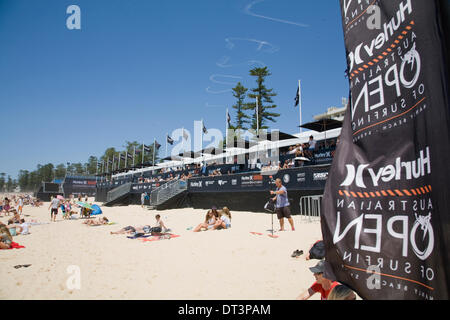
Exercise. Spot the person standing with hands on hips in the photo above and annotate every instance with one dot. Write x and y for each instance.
(282, 204)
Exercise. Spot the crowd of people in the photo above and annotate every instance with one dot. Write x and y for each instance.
(298, 155)
(16, 225)
(14, 204)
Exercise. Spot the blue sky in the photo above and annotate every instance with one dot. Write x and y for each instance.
(140, 68)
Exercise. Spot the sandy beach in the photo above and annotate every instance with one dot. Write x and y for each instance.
(223, 264)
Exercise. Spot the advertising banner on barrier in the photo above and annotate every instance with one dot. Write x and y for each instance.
(305, 178)
(385, 218)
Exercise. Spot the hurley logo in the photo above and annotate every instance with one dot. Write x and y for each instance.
(409, 170)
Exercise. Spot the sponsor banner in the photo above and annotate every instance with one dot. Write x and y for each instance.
(306, 178)
(324, 156)
(385, 218)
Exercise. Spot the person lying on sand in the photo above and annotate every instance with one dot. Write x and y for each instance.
(210, 221)
(99, 222)
(225, 220)
(158, 229)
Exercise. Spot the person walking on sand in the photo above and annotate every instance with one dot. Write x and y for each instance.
(54, 205)
(20, 205)
(282, 204)
(143, 196)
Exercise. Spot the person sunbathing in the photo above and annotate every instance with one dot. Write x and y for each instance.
(127, 229)
(158, 229)
(210, 221)
(225, 220)
(99, 222)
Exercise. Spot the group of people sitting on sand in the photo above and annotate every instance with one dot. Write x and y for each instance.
(15, 203)
(215, 220)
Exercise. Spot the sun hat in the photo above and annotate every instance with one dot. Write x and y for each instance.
(319, 267)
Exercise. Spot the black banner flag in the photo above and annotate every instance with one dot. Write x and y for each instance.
(385, 213)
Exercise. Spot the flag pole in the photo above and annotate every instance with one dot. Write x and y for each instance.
(167, 135)
(226, 128)
(257, 116)
(300, 103)
(143, 152)
(201, 140)
(154, 147)
(134, 154)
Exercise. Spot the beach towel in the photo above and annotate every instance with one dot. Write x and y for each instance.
(15, 245)
(157, 238)
(138, 236)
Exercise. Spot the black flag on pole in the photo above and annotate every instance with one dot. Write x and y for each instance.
(385, 212)
(157, 145)
(129, 156)
(297, 97)
(169, 140)
(204, 129)
(146, 148)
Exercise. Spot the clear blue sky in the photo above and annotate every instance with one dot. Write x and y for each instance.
(140, 68)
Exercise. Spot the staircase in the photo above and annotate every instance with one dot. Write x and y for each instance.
(117, 194)
(167, 192)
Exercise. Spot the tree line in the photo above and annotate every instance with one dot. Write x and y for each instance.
(32, 180)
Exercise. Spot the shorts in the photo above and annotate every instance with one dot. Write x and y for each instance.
(54, 211)
(129, 228)
(284, 212)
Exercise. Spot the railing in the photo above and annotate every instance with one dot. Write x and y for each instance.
(310, 207)
(118, 192)
(167, 191)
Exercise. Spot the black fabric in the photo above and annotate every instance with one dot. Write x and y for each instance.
(385, 212)
(317, 251)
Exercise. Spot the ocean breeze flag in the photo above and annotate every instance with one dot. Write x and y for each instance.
(169, 140)
(297, 97)
(157, 145)
(385, 212)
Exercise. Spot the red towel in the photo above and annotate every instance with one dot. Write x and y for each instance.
(15, 245)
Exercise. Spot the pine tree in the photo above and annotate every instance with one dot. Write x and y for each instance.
(265, 101)
(241, 118)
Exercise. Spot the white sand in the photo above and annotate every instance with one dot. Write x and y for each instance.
(225, 264)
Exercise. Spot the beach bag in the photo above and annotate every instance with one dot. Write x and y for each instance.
(317, 251)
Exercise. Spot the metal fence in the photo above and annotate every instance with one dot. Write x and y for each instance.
(118, 192)
(167, 191)
(310, 207)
